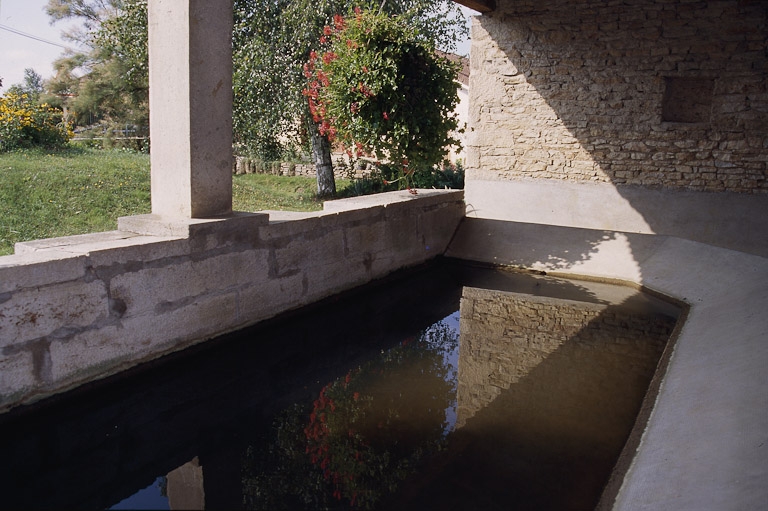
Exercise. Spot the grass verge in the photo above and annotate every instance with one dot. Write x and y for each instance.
(46, 195)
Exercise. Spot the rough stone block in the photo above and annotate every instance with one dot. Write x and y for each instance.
(307, 252)
(156, 333)
(37, 269)
(170, 286)
(268, 298)
(325, 280)
(367, 237)
(98, 352)
(17, 376)
(51, 311)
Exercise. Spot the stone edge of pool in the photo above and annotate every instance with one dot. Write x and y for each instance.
(705, 441)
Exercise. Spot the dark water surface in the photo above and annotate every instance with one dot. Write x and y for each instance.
(449, 388)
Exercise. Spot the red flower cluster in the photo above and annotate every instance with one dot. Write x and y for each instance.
(329, 57)
(317, 430)
(368, 93)
(338, 22)
(318, 71)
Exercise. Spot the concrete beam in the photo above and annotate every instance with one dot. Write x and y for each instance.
(190, 95)
(478, 5)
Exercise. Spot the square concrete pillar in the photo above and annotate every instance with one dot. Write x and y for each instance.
(190, 107)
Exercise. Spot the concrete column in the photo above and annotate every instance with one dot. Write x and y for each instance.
(190, 101)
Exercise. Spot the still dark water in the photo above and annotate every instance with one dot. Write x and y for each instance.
(450, 388)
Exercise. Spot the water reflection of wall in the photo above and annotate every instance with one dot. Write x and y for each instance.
(610, 354)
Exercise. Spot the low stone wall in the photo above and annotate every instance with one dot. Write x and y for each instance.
(83, 307)
(243, 165)
(726, 219)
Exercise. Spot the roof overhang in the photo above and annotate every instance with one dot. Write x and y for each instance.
(478, 5)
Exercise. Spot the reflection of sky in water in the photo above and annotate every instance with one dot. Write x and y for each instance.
(451, 361)
(150, 497)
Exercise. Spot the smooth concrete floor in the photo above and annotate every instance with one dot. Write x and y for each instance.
(705, 444)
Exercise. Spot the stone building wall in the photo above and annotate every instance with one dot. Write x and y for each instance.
(573, 354)
(669, 94)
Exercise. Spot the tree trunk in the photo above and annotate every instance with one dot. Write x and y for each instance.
(321, 156)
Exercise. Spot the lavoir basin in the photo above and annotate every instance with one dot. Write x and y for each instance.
(447, 387)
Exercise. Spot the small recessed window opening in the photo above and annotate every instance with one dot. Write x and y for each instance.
(687, 99)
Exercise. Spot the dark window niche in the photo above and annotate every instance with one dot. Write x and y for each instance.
(687, 99)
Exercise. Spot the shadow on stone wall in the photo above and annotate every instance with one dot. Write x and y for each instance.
(580, 93)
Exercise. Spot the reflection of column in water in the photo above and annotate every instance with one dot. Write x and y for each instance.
(185, 486)
(506, 336)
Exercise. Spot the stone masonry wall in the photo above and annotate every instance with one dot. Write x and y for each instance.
(591, 354)
(662, 93)
(83, 307)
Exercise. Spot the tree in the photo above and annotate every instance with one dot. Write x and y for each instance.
(114, 86)
(90, 13)
(380, 88)
(272, 42)
(32, 86)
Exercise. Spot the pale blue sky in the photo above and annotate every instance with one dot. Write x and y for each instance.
(18, 52)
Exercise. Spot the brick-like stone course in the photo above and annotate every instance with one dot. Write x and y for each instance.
(574, 91)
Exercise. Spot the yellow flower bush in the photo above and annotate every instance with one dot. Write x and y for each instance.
(25, 123)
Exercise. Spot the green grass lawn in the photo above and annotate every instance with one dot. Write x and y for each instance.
(85, 190)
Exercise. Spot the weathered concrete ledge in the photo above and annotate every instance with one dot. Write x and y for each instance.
(704, 444)
(78, 308)
(725, 219)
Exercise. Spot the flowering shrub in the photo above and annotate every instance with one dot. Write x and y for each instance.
(379, 89)
(24, 123)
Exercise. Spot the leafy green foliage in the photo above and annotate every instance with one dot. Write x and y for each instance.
(91, 13)
(380, 89)
(32, 87)
(115, 87)
(265, 50)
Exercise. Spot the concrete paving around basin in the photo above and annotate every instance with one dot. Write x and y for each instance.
(705, 443)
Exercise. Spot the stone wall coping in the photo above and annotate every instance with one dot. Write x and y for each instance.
(391, 198)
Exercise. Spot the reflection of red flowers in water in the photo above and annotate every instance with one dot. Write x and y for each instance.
(340, 457)
(353, 437)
